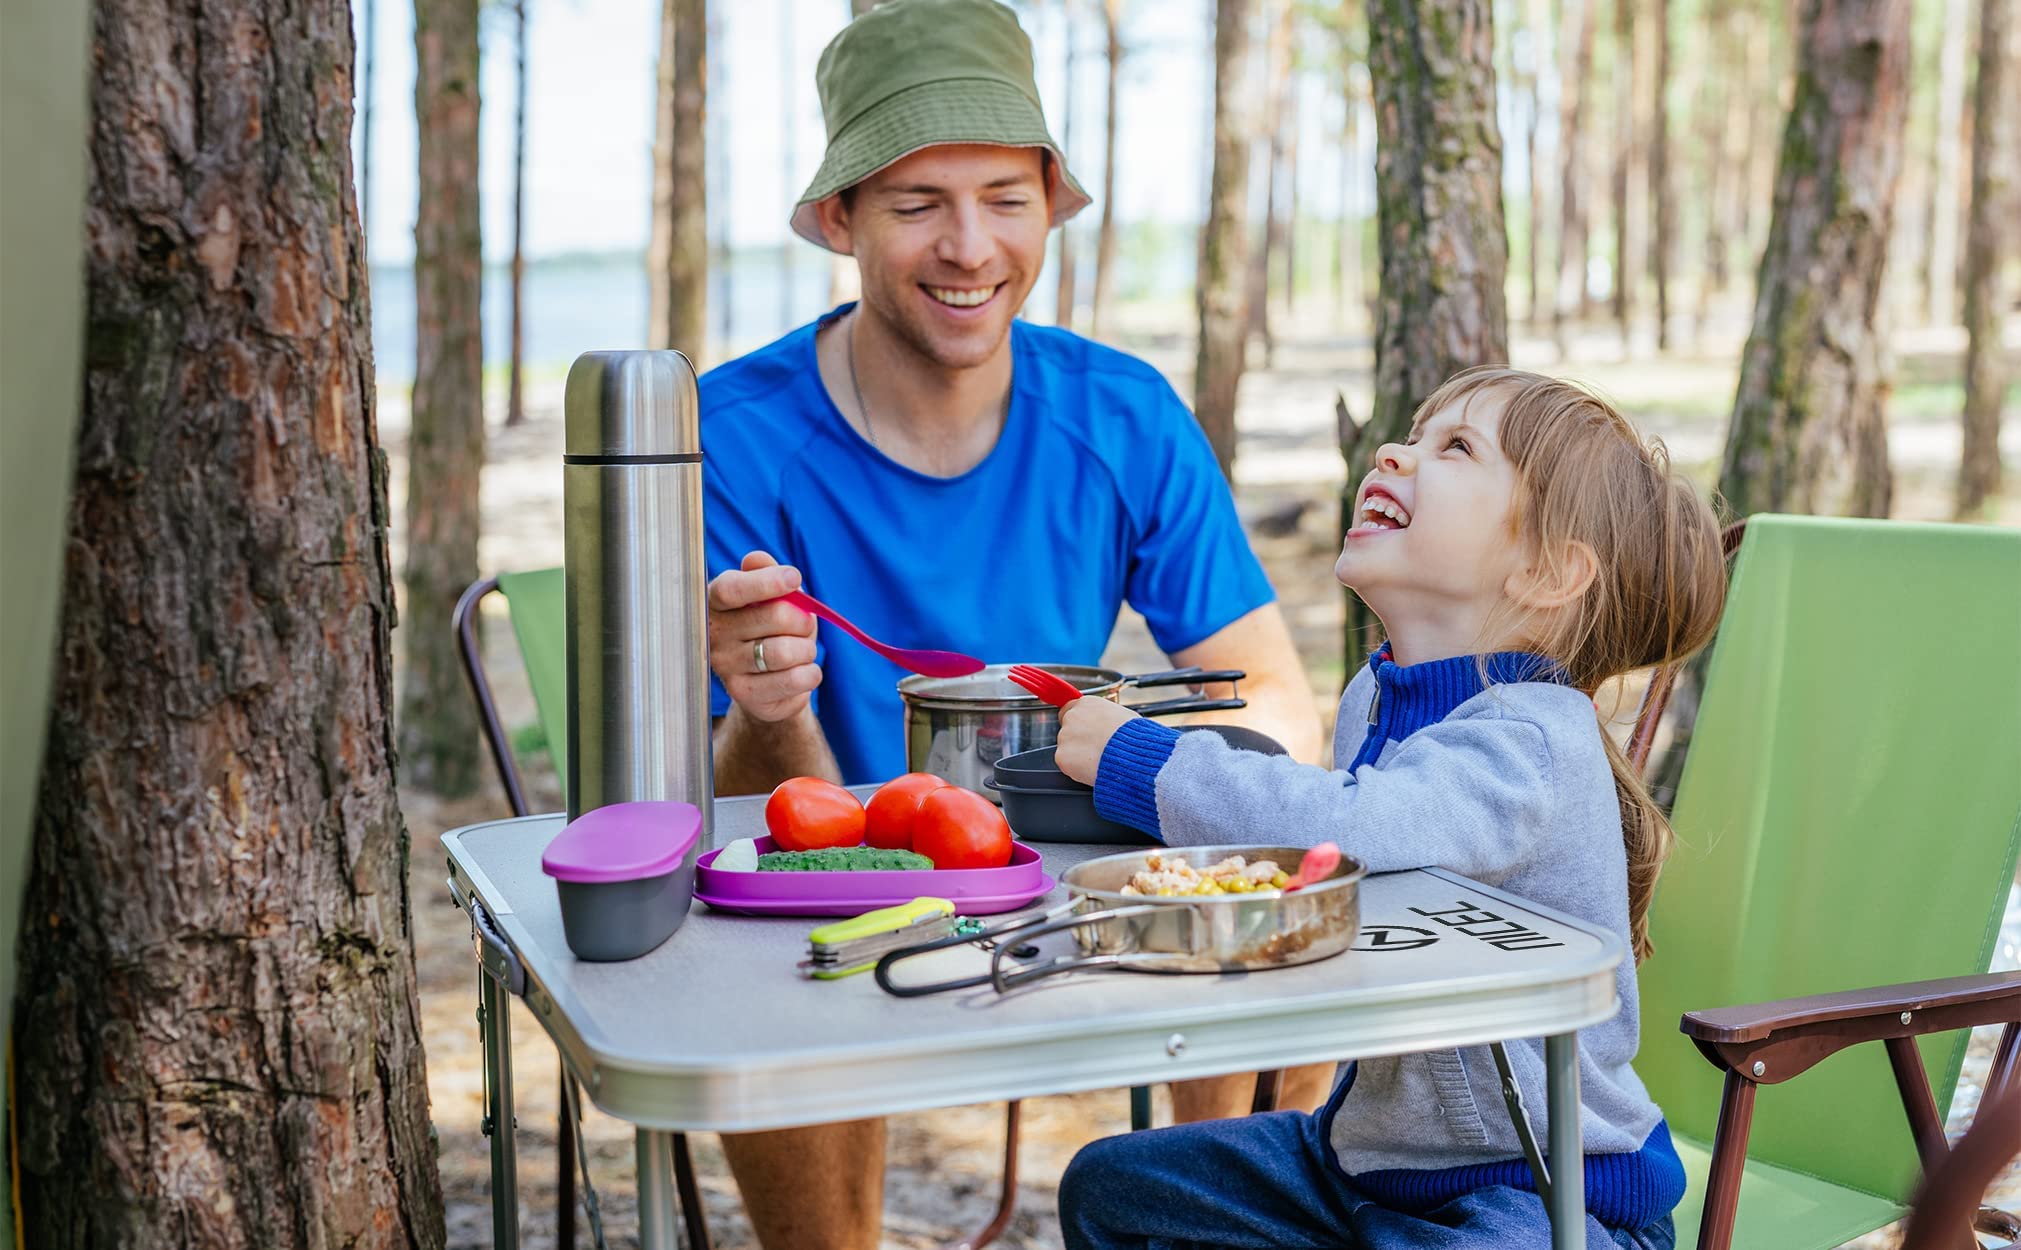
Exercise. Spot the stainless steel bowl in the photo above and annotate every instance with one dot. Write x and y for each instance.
(1214, 933)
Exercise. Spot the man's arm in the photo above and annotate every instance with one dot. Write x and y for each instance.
(752, 756)
(1280, 699)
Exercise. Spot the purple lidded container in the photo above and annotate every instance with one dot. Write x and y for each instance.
(626, 874)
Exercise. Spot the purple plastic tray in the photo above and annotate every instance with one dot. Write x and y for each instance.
(973, 891)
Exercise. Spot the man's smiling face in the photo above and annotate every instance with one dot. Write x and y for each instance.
(949, 241)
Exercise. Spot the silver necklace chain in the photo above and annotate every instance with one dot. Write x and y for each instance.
(863, 409)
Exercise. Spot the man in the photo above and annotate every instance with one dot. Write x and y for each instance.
(952, 479)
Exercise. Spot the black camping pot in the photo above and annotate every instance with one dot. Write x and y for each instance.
(1043, 804)
(959, 727)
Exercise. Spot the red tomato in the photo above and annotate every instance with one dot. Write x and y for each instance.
(807, 813)
(894, 808)
(958, 828)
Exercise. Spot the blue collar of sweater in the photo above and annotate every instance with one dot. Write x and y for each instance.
(1409, 697)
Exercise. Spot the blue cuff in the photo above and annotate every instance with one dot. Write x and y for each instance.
(1126, 781)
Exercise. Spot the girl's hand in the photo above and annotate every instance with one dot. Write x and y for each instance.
(1086, 725)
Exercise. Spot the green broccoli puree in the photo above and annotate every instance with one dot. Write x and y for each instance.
(842, 859)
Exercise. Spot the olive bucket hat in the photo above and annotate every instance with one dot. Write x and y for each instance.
(913, 74)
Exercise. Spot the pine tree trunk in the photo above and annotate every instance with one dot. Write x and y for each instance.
(789, 156)
(1576, 67)
(1105, 241)
(1940, 274)
(1444, 248)
(677, 256)
(1290, 288)
(1277, 77)
(1063, 299)
(515, 397)
(218, 1038)
(1349, 278)
(1996, 136)
(1808, 431)
(1662, 240)
(445, 446)
(1536, 16)
(1713, 101)
(368, 58)
(1224, 244)
(1627, 143)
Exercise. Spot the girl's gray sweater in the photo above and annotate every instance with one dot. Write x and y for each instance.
(1508, 785)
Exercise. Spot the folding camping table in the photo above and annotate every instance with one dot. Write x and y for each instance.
(718, 1030)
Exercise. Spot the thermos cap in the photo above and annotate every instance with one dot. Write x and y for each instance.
(632, 406)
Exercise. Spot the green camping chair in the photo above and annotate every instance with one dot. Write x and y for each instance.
(535, 605)
(1848, 817)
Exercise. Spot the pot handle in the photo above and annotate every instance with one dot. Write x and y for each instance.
(1193, 676)
(1007, 981)
(1017, 925)
(1173, 707)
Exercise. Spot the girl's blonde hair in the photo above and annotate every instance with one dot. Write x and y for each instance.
(1584, 475)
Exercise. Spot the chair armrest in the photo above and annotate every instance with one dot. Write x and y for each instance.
(1791, 1035)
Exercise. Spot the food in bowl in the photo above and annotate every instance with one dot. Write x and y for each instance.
(1161, 877)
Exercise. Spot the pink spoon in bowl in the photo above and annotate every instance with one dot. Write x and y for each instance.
(926, 663)
(1315, 866)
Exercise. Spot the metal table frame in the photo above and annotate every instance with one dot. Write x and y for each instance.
(664, 1092)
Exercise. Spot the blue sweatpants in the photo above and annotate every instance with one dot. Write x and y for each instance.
(1268, 1182)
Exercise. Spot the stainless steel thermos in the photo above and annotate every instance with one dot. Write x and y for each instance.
(635, 583)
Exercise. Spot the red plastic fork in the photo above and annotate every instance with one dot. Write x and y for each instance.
(1053, 690)
(926, 663)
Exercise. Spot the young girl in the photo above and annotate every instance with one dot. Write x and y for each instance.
(1522, 547)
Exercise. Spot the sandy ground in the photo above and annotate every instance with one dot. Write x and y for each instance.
(944, 1165)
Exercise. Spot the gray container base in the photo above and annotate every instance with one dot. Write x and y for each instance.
(609, 921)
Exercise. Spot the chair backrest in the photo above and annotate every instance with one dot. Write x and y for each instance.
(535, 604)
(1848, 817)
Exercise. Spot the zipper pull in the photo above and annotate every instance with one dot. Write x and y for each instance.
(1374, 702)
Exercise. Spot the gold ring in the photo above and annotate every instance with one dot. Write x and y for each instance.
(758, 655)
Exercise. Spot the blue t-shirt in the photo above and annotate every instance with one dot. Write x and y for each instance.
(1101, 488)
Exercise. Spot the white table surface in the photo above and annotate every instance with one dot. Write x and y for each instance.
(718, 1029)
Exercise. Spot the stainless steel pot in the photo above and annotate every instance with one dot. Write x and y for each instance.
(959, 727)
(1215, 933)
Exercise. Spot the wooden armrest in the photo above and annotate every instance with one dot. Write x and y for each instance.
(1789, 1036)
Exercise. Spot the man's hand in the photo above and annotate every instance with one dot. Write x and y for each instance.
(1086, 725)
(762, 652)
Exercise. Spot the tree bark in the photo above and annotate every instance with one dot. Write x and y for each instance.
(445, 446)
(1808, 431)
(1536, 19)
(1277, 77)
(219, 1040)
(1996, 134)
(1224, 244)
(1105, 241)
(1940, 273)
(1444, 248)
(677, 256)
(1715, 128)
(1662, 240)
(1063, 299)
(1627, 147)
(515, 397)
(368, 59)
(1575, 69)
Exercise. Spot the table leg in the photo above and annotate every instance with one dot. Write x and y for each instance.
(1567, 1157)
(494, 1025)
(659, 1213)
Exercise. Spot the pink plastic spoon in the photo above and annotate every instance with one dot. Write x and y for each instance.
(1316, 866)
(926, 663)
